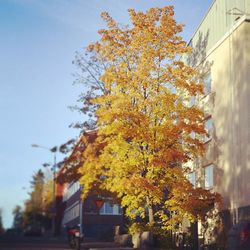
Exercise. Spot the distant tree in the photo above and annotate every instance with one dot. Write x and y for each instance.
(34, 211)
(1, 222)
(47, 196)
(18, 217)
(37, 185)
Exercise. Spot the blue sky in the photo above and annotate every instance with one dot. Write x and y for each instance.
(38, 39)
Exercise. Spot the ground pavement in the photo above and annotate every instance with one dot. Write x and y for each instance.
(52, 243)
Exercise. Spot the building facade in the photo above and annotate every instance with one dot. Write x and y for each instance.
(97, 215)
(222, 53)
(97, 222)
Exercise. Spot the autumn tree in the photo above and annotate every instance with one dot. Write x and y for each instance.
(35, 209)
(48, 196)
(147, 129)
(90, 67)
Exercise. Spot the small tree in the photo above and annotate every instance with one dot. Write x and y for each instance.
(146, 123)
(1, 222)
(35, 213)
(18, 217)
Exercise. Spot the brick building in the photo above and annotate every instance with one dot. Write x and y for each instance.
(97, 222)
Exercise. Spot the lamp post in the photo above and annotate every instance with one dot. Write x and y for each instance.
(52, 150)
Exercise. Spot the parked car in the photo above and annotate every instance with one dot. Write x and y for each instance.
(13, 232)
(239, 236)
(33, 231)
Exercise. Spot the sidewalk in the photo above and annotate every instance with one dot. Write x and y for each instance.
(113, 248)
(100, 245)
(109, 246)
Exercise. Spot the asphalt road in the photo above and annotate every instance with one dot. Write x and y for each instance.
(33, 243)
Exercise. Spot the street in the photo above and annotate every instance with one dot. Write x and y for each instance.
(33, 243)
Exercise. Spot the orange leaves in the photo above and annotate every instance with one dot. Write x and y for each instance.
(188, 202)
(109, 20)
(145, 119)
(147, 185)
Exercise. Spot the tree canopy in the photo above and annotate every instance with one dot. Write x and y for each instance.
(37, 208)
(148, 127)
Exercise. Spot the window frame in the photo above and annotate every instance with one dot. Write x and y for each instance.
(209, 176)
(106, 206)
(193, 182)
(207, 81)
(209, 129)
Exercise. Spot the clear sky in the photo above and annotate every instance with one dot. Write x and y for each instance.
(38, 40)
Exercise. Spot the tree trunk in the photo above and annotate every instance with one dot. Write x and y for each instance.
(150, 212)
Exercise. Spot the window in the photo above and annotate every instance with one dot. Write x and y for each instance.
(192, 178)
(71, 213)
(209, 129)
(192, 101)
(207, 84)
(120, 211)
(209, 176)
(108, 209)
(71, 190)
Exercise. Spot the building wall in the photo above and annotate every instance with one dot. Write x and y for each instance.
(222, 49)
(230, 114)
(59, 207)
(219, 19)
(97, 223)
(228, 63)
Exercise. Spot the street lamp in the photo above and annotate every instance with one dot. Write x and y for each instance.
(52, 150)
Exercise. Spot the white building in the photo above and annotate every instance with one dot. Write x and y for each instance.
(222, 50)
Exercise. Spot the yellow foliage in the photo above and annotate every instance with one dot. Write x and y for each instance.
(48, 196)
(145, 120)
